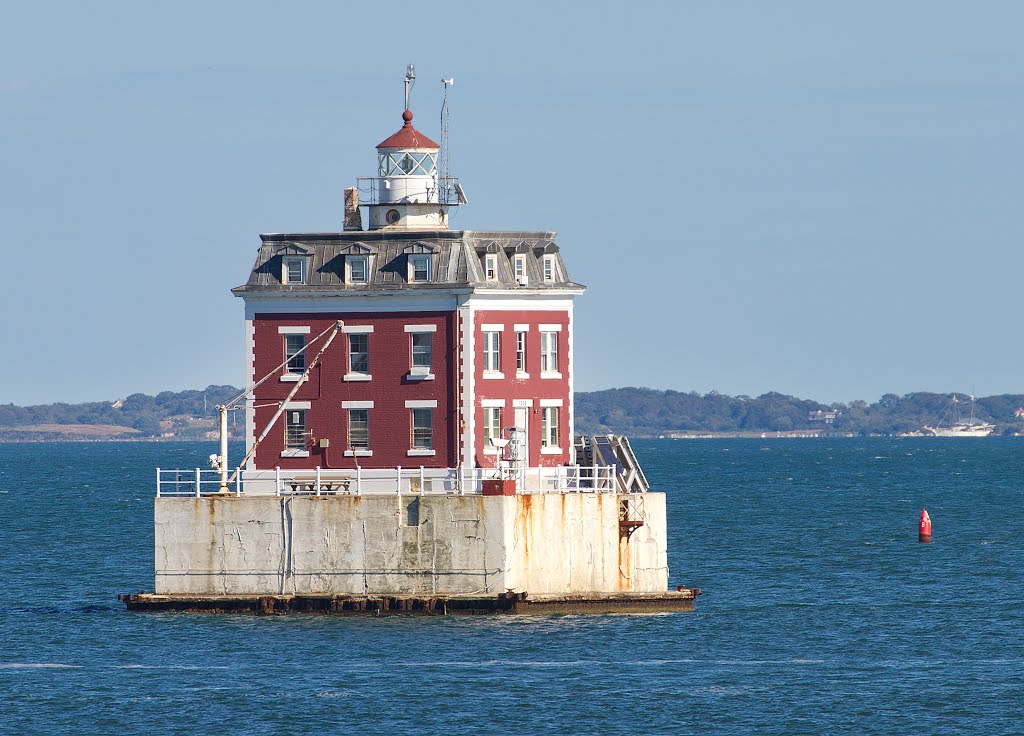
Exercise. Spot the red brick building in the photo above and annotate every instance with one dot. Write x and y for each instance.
(456, 349)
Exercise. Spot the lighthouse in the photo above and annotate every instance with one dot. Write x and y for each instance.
(409, 424)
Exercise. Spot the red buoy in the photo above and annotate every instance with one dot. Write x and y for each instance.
(924, 527)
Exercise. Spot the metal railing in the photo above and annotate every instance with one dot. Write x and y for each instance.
(197, 482)
(443, 190)
(200, 482)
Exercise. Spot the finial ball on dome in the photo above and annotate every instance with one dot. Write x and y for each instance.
(407, 116)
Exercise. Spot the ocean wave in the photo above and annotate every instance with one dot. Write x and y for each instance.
(38, 666)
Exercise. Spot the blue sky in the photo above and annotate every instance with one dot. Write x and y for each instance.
(818, 199)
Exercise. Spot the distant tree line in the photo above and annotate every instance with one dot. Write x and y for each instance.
(137, 411)
(636, 412)
(647, 412)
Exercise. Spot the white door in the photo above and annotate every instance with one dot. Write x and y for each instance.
(520, 454)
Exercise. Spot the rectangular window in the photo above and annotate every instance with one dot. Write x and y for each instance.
(549, 426)
(359, 353)
(492, 425)
(419, 267)
(422, 349)
(358, 269)
(296, 360)
(492, 351)
(295, 429)
(548, 352)
(491, 267)
(549, 268)
(359, 429)
(519, 264)
(422, 429)
(520, 352)
(294, 271)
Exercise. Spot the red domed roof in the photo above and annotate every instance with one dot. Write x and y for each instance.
(408, 136)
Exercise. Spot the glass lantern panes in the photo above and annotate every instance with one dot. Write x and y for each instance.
(398, 163)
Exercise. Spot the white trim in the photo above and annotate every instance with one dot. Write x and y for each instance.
(293, 330)
(410, 376)
(493, 375)
(492, 328)
(522, 403)
(468, 344)
(551, 402)
(296, 405)
(570, 411)
(250, 399)
(341, 301)
(521, 375)
(551, 451)
(492, 403)
(357, 329)
(356, 404)
(421, 404)
(358, 453)
(550, 292)
(521, 328)
(294, 453)
(421, 328)
(550, 374)
(549, 328)
(291, 377)
(357, 377)
(420, 453)
(490, 450)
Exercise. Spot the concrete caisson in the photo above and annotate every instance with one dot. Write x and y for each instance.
(430, 544)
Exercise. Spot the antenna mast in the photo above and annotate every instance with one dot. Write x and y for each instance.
(443, 164)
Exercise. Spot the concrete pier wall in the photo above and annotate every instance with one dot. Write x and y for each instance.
(431, 544)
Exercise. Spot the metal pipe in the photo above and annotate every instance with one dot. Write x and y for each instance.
(223, 460)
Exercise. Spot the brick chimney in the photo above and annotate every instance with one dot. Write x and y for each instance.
(353, 219)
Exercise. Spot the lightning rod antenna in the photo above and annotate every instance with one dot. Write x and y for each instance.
(410, 80)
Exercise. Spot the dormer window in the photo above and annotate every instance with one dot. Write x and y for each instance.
(357, 269)
(293, 270)
(491, 267)
(550, 268)
(519, 266)
(419, 267)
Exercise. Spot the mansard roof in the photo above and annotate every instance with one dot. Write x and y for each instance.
(457, 261)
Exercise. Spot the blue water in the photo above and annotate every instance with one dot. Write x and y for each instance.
(821, 614)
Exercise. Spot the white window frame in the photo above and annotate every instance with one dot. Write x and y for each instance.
(292, 353)
(362, 451)
(521, 354)
(350, 261)
(353, 374)
(519, 268)
(421, 448)
(492, 428)
(549, 354)
(491, 267)
(420, 371)
(492, 354)
(549, 419)
(413, 259)
(550, 268)
(295, 433)
(286, 263)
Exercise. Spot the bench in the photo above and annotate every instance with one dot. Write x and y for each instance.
(328, 486)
